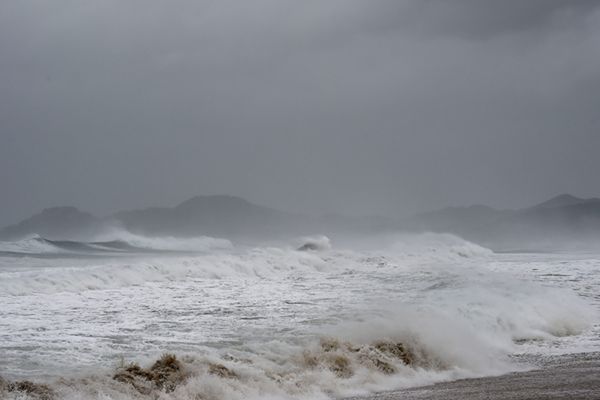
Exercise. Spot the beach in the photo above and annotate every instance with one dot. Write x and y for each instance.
(428, 312)
(574, 376)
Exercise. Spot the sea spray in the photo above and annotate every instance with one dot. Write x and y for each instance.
(276, 322)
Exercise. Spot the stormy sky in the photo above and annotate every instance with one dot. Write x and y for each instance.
(359, 107)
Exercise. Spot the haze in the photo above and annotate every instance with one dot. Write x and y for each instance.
(358, 107)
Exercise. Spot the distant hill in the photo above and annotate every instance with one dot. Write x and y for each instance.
(56, 223)
(562, 200)
(229, 216)
(562, 214)
(554, 223)
(206, 215)
(561, 220)
(218, 216)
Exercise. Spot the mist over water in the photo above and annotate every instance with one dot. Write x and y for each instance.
(313, 318)
(299, 200)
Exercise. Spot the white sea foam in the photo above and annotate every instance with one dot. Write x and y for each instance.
(346, 359)
(31, 245)
(270, 316)
(313, 243)
(195, 244)
(93, 274)
(115, 240)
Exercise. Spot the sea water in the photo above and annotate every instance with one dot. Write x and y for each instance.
(286, 323)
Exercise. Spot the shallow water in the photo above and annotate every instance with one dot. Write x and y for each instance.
(262, 312)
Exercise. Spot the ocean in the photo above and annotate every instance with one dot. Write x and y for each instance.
(312, 318)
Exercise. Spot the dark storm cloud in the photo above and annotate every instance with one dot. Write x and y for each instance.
(477, 19)
(358, 106)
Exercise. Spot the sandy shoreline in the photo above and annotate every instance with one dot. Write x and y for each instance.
(575, 376)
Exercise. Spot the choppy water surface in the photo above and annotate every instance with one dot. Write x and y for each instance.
(76, 313)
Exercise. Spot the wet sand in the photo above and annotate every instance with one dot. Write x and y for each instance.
(566, 377)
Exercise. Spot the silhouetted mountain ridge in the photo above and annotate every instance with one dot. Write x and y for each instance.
(565, 200)
(219, 215)
(55, 222)
(553, 222)
(564, 217)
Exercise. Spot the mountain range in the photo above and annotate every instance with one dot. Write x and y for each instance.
(560, 221)
(564, 218)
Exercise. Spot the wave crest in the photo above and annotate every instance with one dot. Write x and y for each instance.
(118, 241)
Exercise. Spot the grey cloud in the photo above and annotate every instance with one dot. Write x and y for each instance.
(359, 107)
(477, 19)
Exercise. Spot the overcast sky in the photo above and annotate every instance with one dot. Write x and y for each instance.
(360, 107)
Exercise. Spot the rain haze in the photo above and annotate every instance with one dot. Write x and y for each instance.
(356, 107)
(299, 200)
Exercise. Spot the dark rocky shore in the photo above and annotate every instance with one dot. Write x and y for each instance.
(575, 376)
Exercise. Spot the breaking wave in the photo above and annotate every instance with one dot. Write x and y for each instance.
(314, 243)
(116, 273)
(118, 241)
(429, 311)
(323, 368)
(406, 348)
(164, 243)
(30, 245)
(222, 261)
